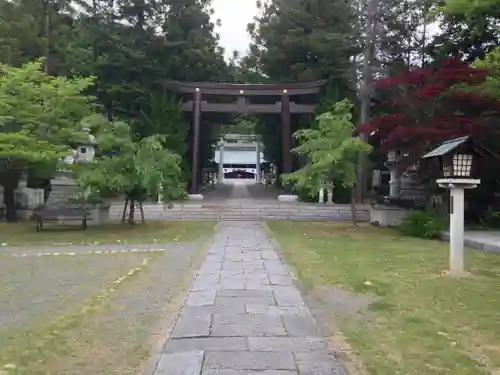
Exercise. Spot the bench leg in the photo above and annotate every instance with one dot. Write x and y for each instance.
(39, 225)
(84, 223)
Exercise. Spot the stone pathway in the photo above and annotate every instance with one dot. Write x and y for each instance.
(244, 316)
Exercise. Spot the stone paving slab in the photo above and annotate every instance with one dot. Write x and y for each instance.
(287, 344)
(228, 301)
(201, 298)
(244, 315)
(245, 293)
(208, 343)
(193, 324)
(247, 372)
(245, 325)
(247, 360)
(318, 364)
(187, 363)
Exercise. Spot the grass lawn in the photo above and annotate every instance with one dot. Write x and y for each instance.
(88, 314)
(153, 231)
(420, 322)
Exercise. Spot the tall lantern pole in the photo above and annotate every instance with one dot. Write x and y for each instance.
(456, 158)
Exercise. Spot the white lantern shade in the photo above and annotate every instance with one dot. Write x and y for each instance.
(462, 165)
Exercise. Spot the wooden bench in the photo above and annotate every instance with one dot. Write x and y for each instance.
(60, 214)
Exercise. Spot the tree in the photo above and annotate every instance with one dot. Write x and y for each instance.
(195, 54)
(242, 124)
(163, 116)
(304, 40)
(467, 7)
(301, 41)
(469, 29)
(423, 106)
(40, 116)
(133, 169)
(332, 152)
(491, 63)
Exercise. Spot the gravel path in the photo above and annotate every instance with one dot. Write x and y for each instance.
(244, 316)
(135, 317)
(114, 339)
(33, 289)
(88, 249)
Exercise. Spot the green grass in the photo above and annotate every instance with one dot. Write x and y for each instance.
(424, 323)
(154, 231)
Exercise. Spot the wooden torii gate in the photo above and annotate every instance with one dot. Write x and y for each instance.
(285, 106)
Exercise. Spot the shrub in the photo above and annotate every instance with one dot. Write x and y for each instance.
(422, 224)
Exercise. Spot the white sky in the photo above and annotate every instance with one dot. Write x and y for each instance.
(234, 15)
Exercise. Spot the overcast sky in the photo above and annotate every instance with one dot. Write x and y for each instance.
(235, 15)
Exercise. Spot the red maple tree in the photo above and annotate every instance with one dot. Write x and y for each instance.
(425, 106)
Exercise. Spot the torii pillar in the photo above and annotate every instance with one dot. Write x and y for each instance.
(196, 145)
(286, 135)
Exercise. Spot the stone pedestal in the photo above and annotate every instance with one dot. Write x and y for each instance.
(321, 199)
(386, 216)
(257, 165)
(288, 198)
(99, 215)
(221, 164)
(329, 197)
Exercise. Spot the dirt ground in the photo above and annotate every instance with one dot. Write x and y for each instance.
(83, 313)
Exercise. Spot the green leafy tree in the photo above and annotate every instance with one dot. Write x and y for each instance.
(242, 124)
(469, 29)
(491, 62)
(331, 152)
(135, 170)
(468, 7)
(163, 116)
(40, 116)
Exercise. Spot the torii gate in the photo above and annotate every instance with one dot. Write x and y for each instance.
(286, 107)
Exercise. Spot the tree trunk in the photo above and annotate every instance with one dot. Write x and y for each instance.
(142, 212)
(124, 210)
(353, 207)
(47, 190)
(366, 88)
(131, 212)
(46, 35)
(9, 180)
(9, 197)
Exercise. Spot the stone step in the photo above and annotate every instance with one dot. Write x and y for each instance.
(234, 214)
(248, 212)
(298, 208)
(245, 216)
(252, 218)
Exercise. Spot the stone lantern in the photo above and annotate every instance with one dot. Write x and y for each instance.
(392, 164)
(457, 159)
(85, 148)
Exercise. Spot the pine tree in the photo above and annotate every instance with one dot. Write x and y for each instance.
(297, 41)
(189, 30)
